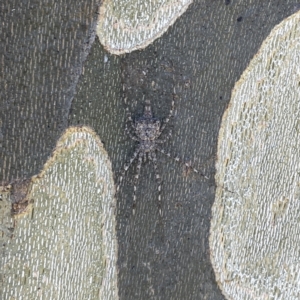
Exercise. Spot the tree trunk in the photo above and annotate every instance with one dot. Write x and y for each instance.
(56, 74)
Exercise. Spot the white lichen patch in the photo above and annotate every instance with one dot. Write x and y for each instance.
(255, 226)
(65, 246)
(128, 25)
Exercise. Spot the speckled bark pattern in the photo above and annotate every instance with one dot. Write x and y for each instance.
(254, 242)
(198, 60)
(42, 47)
(125, 26)
(64, 246)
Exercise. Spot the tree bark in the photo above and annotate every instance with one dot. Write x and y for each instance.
(55, 73)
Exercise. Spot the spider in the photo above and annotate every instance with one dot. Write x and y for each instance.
(147, 131)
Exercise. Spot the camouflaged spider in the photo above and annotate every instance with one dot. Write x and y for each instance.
(146, 131)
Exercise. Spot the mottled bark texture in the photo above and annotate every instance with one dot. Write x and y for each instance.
(63, 245)
(255, 217)
(197, 61)
(42, 49)
(125, 26)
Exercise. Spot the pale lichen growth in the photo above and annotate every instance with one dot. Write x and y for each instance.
(65, 248)
(128, 25)
(254, 238)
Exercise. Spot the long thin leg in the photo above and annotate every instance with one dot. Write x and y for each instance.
(126, 166)
(158, 179)
(165, 139)
(167, 119)
(180, 161)
(130, 134)
(136, 178)
(129, 120)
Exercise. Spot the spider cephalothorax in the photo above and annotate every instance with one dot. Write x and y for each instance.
(147, 130)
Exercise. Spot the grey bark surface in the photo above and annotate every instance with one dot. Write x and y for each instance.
(197, 61)
(63, 245)
(43, 45)
(255, 215)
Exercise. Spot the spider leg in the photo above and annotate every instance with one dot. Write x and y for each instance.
(180, 161)
(127, 165)
(158, 179)
(129, 120)
(136, 178)
(130, 134)
(165, 139)
(167, 119)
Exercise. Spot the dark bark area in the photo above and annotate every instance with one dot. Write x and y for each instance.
(43, 45)
(196, 62)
